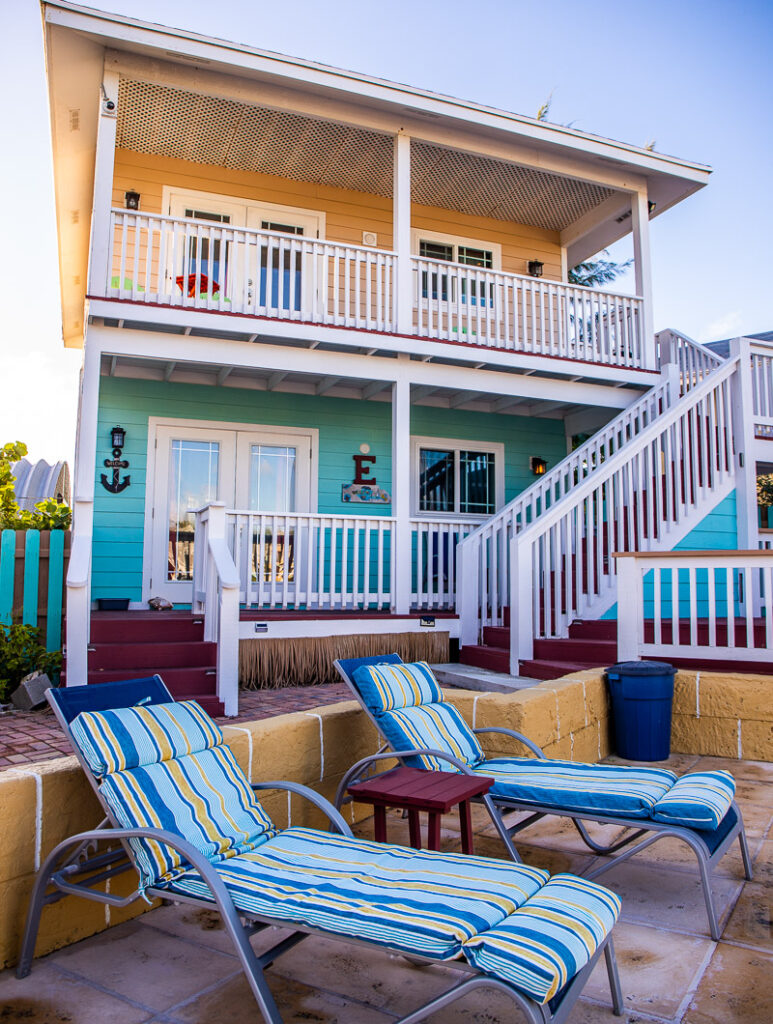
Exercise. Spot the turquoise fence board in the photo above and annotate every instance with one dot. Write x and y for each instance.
(343, 425)
(7, 568)
(55, 580)
(29, 615)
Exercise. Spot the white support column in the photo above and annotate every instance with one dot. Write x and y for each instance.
(629, 609)
(743, 440)
(79, 569)
(401, 496)
(401, 231)
(103, 184)
(643, 271)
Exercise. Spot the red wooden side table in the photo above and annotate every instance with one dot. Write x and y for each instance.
(416, 790)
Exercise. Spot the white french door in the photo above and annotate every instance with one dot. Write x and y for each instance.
(262, 470)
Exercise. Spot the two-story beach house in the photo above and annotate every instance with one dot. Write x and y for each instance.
(337, 383)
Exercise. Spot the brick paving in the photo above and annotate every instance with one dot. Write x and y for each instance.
(30, 736)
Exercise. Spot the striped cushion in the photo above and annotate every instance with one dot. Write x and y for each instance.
(547, 941)
(388, 687)
(597, 788)
(112, 741)
(204, 798)
(412, 900)
(699, 800)
(431, 727)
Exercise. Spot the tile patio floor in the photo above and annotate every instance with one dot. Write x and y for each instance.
(174, 964)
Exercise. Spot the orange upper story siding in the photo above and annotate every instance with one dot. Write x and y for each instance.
(347, 213)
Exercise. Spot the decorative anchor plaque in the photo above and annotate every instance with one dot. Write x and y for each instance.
(116, 485)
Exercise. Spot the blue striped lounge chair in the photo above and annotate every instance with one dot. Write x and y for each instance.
(180, 812)
(422, 729)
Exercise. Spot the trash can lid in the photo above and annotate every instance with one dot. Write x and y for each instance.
(642, 668)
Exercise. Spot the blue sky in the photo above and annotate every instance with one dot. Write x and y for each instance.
(694, 76)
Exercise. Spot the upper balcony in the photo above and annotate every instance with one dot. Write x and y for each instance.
(190, 264)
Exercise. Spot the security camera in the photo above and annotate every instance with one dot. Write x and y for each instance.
(109, 105)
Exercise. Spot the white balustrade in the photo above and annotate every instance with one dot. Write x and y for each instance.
(459, 303)
(204, 265)
(761, 359)
(693, 360)
(434, 543)
(710, 605)
(307, 561)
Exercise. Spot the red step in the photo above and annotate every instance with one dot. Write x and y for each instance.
(539, 669)
(145, 627)
(593, 629)
(496, 636)
(153, 656)
(496, 659)
(593, 652)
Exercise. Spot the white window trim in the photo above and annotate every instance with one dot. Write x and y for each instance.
(494, 448)
(200, 198)
(417, 235)
(154, 422)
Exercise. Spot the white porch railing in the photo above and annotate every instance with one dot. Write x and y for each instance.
(203, 265)
(460, 303)
(434, 544)
(762, 390)
(694, 360)
(216, 594)
(695, 604)
(308, 561)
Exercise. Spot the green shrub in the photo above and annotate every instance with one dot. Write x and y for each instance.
(22, 652)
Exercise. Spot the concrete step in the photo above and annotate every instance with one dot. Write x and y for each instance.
(468, 677)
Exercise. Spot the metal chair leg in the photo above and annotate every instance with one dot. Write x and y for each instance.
(614, 978)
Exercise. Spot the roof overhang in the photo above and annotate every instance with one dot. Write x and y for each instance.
(80, 42)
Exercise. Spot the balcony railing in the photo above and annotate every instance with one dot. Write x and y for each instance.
(202, 265)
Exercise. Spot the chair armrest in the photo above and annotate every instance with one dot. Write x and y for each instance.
(516, 736)
(313, 797)
(398, 755)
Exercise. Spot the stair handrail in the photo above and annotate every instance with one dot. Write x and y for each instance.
(695, 361)
(522, 543)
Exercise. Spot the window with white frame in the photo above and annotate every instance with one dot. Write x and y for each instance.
(457, 478)
(440, 286)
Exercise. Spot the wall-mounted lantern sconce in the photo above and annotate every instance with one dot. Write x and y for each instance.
(537, 465)
(118, 437)
(132, 200)
(536, 267)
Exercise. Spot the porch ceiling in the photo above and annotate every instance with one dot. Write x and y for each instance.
(361, 389)
(204, 129)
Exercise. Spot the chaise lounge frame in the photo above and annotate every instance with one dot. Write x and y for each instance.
(497, 806)
(76, 868)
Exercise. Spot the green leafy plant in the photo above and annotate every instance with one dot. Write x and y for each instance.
(47, 515)
(22, 652)
(596, 272)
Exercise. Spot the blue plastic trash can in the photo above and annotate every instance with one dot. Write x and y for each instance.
(642, 694)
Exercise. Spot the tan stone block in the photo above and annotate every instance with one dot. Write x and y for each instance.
(17, 824)
(286, 747)
(726, 695)
(584, 745)
(757, 740)
(596, 697)
(70, 805)
(561, 749)
(570, 705)
(238, 739)
(717, 737)
(684, 692)
(348, 736)
(605, 733)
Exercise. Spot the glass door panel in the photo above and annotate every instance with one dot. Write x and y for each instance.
(193, 477)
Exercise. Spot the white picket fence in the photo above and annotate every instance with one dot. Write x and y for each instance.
(695, 604)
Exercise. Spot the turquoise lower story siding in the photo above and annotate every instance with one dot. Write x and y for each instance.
(717, 531)
(343, 425)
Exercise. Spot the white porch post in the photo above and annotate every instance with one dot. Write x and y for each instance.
(79, 569)
(643, 272)
(103, 184)
(743, 440)
(401, 497)
(401, 231)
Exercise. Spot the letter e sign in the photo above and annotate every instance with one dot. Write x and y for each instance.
(360, 469)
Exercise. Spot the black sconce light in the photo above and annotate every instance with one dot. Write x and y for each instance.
(132, 200)
(118, 437)
(537, 465)
(535, 268)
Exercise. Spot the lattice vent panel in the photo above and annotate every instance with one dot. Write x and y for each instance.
(225, 133)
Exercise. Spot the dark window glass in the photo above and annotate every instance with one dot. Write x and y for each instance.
(219, 218)
(436, 481)
(476, 257)
(287, 229)
(765, 496)
(476, 483)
